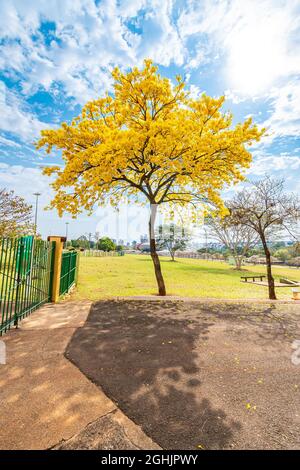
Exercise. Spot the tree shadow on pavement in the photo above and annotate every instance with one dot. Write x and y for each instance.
(145, 359)
(272, 323)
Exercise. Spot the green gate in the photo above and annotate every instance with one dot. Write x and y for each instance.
(26, 269)
(69, 265)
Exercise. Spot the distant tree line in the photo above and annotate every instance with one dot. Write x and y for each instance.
(102, 243)
(286, 252)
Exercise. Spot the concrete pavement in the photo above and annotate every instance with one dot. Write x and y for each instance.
(45, 401)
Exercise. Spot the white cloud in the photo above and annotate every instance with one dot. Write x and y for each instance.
(89, 40)
(257, 38)
(8, 142)
(258, 41)
(15, 118)
(200, 57)
(284, 119)
(195, 92)
(130, 8)
(161, 40)
(263, 164)
(25, 181)
(252, 45)
(233, 96)
(12, 57)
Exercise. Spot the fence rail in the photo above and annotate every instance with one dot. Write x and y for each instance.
(100, 253)
(26, 269)
(193, 255)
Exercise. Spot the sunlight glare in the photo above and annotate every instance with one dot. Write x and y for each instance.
(256, 57)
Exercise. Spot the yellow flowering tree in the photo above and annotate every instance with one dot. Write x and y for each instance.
(148, 138)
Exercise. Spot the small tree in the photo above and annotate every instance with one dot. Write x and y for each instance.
(106, 244)
(269, 211)
(172, 237)
(237, 238)
(295, 249)
(81, 242)
(149, 139)
(283, 254)
(15, 215)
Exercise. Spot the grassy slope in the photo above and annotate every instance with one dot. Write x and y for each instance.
(133, 275)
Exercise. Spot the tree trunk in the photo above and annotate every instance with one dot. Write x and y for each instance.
(271, 284)
(238, 262)
(154, 255)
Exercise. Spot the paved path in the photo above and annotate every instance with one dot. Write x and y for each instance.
(208, 375)
(46, 401)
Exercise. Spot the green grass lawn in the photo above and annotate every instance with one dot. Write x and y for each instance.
(133, 275)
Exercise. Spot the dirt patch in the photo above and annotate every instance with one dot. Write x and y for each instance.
(196, 375)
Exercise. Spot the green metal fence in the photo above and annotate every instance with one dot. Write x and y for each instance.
(69, 268)
(26, 270)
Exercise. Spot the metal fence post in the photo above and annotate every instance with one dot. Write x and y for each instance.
(59, 244)
(77, 267)
(19, 266)
(69, 271)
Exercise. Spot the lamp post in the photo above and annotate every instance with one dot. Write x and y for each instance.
(36, 211)
(117, 224)
(67, 227)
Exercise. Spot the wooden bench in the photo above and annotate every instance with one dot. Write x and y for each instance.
(245, 278)
(289, 282)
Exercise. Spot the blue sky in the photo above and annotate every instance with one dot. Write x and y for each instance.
(57, 55)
